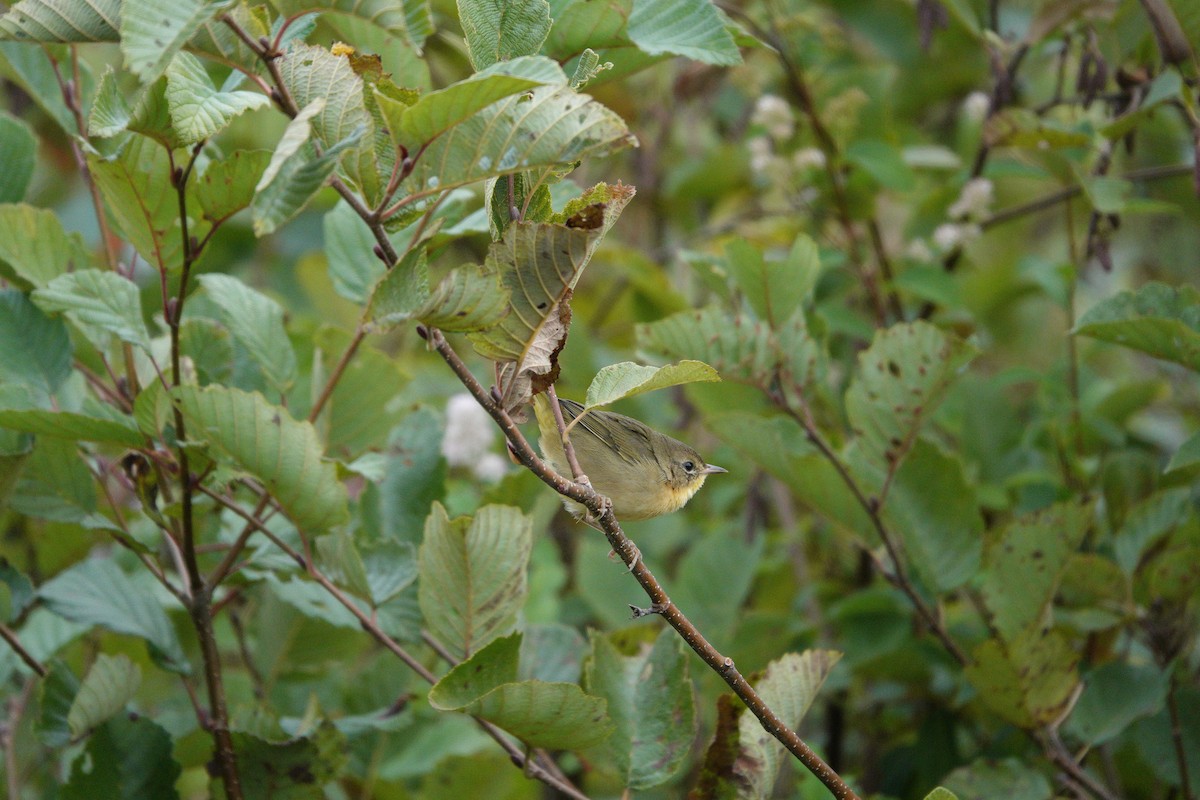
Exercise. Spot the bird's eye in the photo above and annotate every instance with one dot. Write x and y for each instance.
(688, 466)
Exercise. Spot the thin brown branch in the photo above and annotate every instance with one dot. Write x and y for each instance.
(200, 605)
(898, 575)
(601, 511)
(339, 369)
(10, 637)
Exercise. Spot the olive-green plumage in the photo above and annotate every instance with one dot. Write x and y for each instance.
(642, 471)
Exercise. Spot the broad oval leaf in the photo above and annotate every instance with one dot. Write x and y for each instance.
(438, 111)
(100, 303)
(649, 696)
(540, 714)
(901, 379)
(788, 687)
(540, 264)
(256, 321)
(496, 30)
(627, 379)
(153, 31)
(692, 28)
(198, 109)
(473, 574)
(548, 126)
(110, 684)
(49, 21)
(265, 441)
(18, 154)
(73, 426)
(43, 361)
(97, 592)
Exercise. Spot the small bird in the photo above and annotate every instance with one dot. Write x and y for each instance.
(642, 471)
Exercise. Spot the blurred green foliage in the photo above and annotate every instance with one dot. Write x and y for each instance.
(942, 255)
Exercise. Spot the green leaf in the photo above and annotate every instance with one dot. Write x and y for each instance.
(256, 321)
(1027, 679)
(1188, 454)
(788, 687)
(296, 769)
(1115, 695)
(1107, 194)
(151, 116)
(414, 476)
(313, 74)
(18, 592)
(265, 441)
(55, 484)
(1148, 523)
(110, 684)
(198, 110)
(473, 574)
(361, 413)
(941, 793)
(692, 28)
(32, 69)
(56, 694)
(882, 161)
(408, 19)
(988, 778)
(349, 247)
(137, 190)
(390, 568)
(34, 248)
(99, 303)
(540, 714)
(227, 186)
(936, 513)
(470, 298)
(43, 361)
(1023, 566)
(97, 592)
(500, 31)
(438, 111)
(773, 290)
(546, 127)
(739, 348)
(649, 696)
(1157, 319)
(110, 114)
(901, 379)
(18, 154)
(153, 31)
(711, 560)
(50, 21)
(73, 426)
(627, 379)
(540, 264)
(296, 172)
(127, 758)
(43, 634)
(218, 42)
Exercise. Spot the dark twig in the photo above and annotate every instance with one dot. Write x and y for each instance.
(897, 576)
(1181, 757)
(601, 512)
(10, 637)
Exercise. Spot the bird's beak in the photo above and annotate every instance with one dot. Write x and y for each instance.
(712, 469)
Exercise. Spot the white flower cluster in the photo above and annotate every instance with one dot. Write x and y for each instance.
(975, 106)
(469, 437)
(775, 115)
(975, 200)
